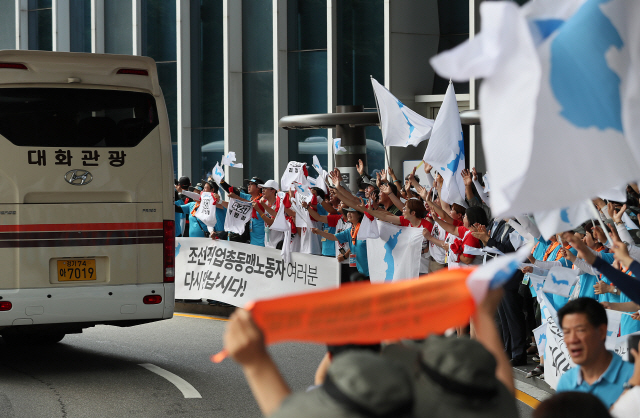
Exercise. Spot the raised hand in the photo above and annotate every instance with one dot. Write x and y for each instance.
(583, 250)
(243, 340)
(621, 253)
(466, 177)
(360, 167)
(391, 173)
(384, 188)
(617, 217)
(599, 234)
(427, 168)
(475, 173)
(566, 254)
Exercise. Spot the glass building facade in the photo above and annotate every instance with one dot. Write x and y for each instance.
(295, 57)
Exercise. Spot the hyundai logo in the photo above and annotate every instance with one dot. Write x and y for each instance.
(78, 177)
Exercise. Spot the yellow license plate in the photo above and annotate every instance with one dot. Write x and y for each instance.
(76, 270)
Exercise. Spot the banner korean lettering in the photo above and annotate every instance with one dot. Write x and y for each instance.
(556, 358)
(622, 346)
(238, 214)
(237, 273)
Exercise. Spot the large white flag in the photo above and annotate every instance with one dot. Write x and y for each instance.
(396, 254)
(238, 214)
(553, 221)
(207, 210)
(553, 73)
(295, 172)
(445, 151)
(400, 125)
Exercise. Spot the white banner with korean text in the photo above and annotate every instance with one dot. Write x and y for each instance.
(237, 273)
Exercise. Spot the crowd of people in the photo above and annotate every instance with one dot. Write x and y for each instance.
(442, 375)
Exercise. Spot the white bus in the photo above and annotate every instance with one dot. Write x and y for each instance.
(86, 194)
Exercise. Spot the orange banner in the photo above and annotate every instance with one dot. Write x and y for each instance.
(364, 313)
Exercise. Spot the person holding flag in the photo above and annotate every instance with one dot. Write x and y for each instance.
(256, 225)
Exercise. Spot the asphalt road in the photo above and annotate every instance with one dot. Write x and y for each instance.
(99, 373)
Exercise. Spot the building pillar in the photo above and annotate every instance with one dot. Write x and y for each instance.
(232, 69)
(183, 65)
(61, 26)
(332, 73)
(22, 24)
(137, 26)
(97, 26)
(280, 91)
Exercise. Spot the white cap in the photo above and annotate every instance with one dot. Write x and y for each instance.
(271, 184)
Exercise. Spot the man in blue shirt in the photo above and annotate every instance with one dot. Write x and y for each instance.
(599, 372)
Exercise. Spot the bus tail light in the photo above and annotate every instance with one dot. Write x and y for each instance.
(5, 306)
(152, 299)
(14, 65)
(132, 71)
(169, 251)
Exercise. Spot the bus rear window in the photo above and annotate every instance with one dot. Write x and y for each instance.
(67, 117)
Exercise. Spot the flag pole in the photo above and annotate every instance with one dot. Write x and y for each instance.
(380, 123)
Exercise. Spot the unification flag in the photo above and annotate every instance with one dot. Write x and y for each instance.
(559, 281)
(230, 160)
(396, 254)
(445, 151)
(562, 78)
(337, 146)
(540, 335)
(550, 222)
(217, 174)
(400, 125)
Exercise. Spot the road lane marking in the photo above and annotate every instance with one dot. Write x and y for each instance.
(200, 316)
(187, 390)
(527, 399)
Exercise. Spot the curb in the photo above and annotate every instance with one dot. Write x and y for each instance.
(204, 308)
(520, 374)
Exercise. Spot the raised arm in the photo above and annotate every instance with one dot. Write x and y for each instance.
(267, 220)
(468, 184)
(487, 334)
(479, 188)
(382, 215)
(245, 344)
(324, 234)
(316, 216)
(387, 190)
(440, 212)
